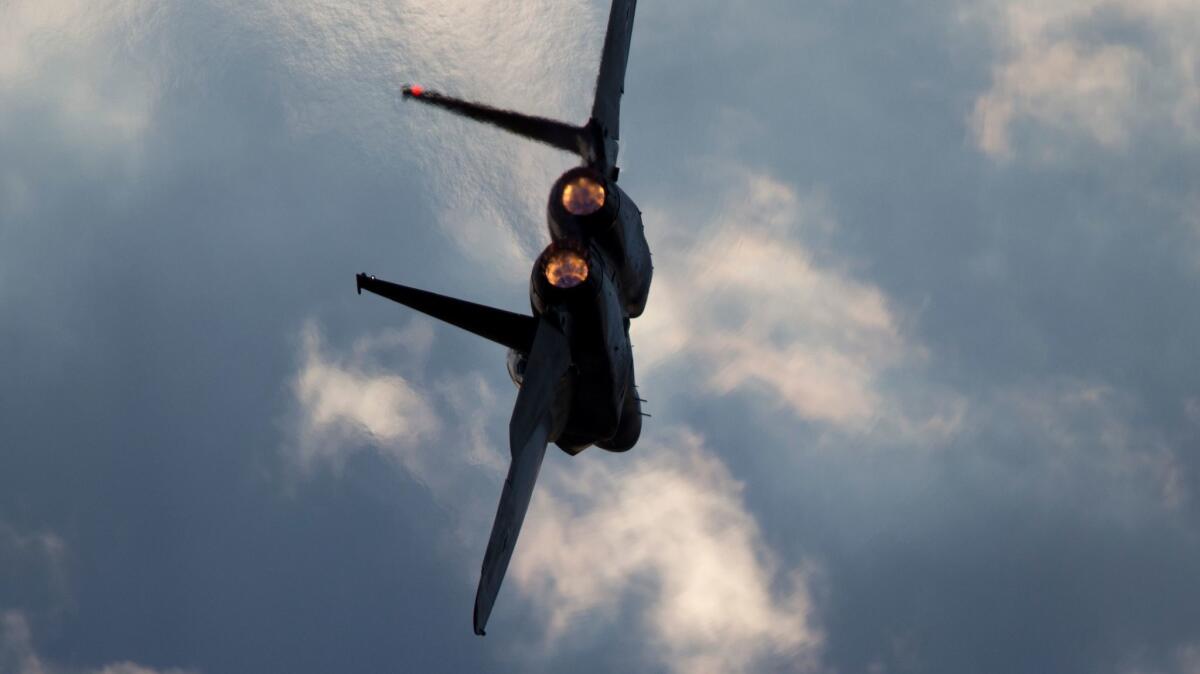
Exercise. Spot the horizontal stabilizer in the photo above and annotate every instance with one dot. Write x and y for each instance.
(515, 331)
(566, 137)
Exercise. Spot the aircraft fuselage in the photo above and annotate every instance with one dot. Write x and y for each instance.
(598, 396)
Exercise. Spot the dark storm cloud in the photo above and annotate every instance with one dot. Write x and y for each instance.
(997, 473)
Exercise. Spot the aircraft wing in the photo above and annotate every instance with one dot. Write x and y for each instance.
(557, 134)
(610, 84)
(595, 143)
(515, 331)
(533, 425)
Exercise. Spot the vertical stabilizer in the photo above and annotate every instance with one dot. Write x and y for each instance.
(610, 83)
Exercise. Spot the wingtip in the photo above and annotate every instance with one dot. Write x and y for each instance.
(358, 282)
(413, 91)
(477, 624)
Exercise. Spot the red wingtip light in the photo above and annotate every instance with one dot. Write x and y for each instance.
(416, 90)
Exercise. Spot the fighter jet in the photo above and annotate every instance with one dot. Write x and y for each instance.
(571, 359)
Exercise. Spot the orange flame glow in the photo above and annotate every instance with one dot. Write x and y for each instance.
(583, 196)
(566, 269)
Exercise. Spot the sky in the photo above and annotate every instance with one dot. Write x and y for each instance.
(919, 349)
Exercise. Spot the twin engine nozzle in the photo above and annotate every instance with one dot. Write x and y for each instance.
(582, 205)
(582, 195)
(582, 211)
(564, 267)
(565, 273)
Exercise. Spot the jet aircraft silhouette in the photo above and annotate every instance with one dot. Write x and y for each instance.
(571, 359)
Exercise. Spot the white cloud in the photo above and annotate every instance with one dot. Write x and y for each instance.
(18, 655)
(16, 649)
(346, 405)
(447, 434)
(1098, 71)
(1064, 86)
(669, 533)
(72, 62)
(747, 293)
(720, 600)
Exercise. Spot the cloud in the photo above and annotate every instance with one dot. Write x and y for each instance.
(346, 406)
(719, 601)
(72, 63)
(346, 64)
(1082, 436)
(1066, 449)
(748, 291)
(813, 334)
(18, 655)
(1184, 660)
(668, 533)
(445, 433)
(131, 668)
(34, 566)
(33, 559)
(1097, 71)
(803, 329)
(97, 72)
(47, 548)
(16, 649)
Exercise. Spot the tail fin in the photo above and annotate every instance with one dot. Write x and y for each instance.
(573, 139)
(503, 327)
(610, 84)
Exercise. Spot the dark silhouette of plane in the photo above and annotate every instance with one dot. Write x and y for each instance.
(571, 359)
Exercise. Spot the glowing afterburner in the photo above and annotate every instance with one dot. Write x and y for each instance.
(583, 196)
(566, 268)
